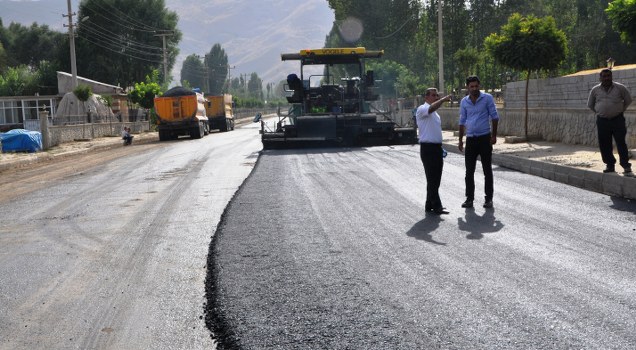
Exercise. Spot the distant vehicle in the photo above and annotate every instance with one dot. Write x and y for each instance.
(219, 111)
(181, 112)
(333, 108)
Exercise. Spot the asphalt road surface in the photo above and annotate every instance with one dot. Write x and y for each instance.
(331, 249)
(108, 250)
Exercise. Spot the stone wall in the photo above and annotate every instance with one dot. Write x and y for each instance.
(571, 126)
(66, 133)
(564, 92)
(557, 109)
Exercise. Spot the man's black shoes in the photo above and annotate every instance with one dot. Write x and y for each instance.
(609, 169)
(468, 203)
(488, 204)
(440, 211)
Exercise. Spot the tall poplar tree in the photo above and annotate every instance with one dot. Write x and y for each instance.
(216, 65)
(193, 72)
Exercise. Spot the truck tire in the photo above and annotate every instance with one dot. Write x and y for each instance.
(232, 124)
(223, 127)
(197, 131)
(164, 135)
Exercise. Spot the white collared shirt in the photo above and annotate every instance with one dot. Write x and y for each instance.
(430, 125)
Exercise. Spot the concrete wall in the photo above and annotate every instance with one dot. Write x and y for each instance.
(564, 92)
(571, 126)
(557, 109)
(66, 133)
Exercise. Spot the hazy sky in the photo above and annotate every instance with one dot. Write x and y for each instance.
(253, 32)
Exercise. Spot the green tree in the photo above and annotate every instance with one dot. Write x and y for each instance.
(39, 49)
(3, 59)
(216, 63)
(388, 25)
(395, 80)
(121, 41)
(83, 92)
(36, 43)
(18, 81)
(466, 60)
(144, 93)
(193, 72)
(622, 13)
(255, 87)
(528, 44)
(47, 78)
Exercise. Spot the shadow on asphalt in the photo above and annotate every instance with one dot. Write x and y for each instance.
(477, 225)
(623, 204)
(424, 228)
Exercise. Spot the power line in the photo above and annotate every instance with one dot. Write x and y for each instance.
(89, 24)
(118, 40)
(119, 14)
(105, 41)
(119, 51)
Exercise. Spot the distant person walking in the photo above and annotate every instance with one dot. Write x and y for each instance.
(431, 152)
(609, 100)
(477, 112)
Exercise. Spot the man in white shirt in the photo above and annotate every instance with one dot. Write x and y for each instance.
(431, 152)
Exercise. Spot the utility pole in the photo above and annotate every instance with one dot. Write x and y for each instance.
(71, 38)
(229, 79)
(440, 48)
(207, 74)
(165, 55)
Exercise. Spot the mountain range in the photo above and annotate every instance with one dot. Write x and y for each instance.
(253, 33)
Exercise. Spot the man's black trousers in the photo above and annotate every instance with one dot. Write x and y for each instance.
(608, 128)
(433, 161)
(478, 146)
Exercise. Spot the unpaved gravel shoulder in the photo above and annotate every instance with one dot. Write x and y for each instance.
(25, 173)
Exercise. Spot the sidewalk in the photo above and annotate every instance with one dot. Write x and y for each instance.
(575, 165)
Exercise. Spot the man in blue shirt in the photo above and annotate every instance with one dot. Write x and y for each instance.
(431, 151)
(477, 112)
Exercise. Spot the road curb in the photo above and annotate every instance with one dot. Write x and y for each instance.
(611, 184)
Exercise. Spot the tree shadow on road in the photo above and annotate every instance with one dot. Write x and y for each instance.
(423, 229)
(477, 225)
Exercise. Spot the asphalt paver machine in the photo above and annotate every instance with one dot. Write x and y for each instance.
(330, 104)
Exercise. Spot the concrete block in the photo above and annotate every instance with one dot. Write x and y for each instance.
(561, 177)
(593, 181)
(515, 139)
(548, 170)
(535, 169)
(509, 162)
(576, 177)
(613, 184)
(629, 187)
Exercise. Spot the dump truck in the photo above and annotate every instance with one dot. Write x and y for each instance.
(330, 104)
(181, 111)
(220, 113)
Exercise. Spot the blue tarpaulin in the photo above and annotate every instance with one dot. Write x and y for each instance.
(20, 140)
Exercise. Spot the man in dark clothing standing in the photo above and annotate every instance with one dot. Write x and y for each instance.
(609, 100)
(476, 113)
(431, 152)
